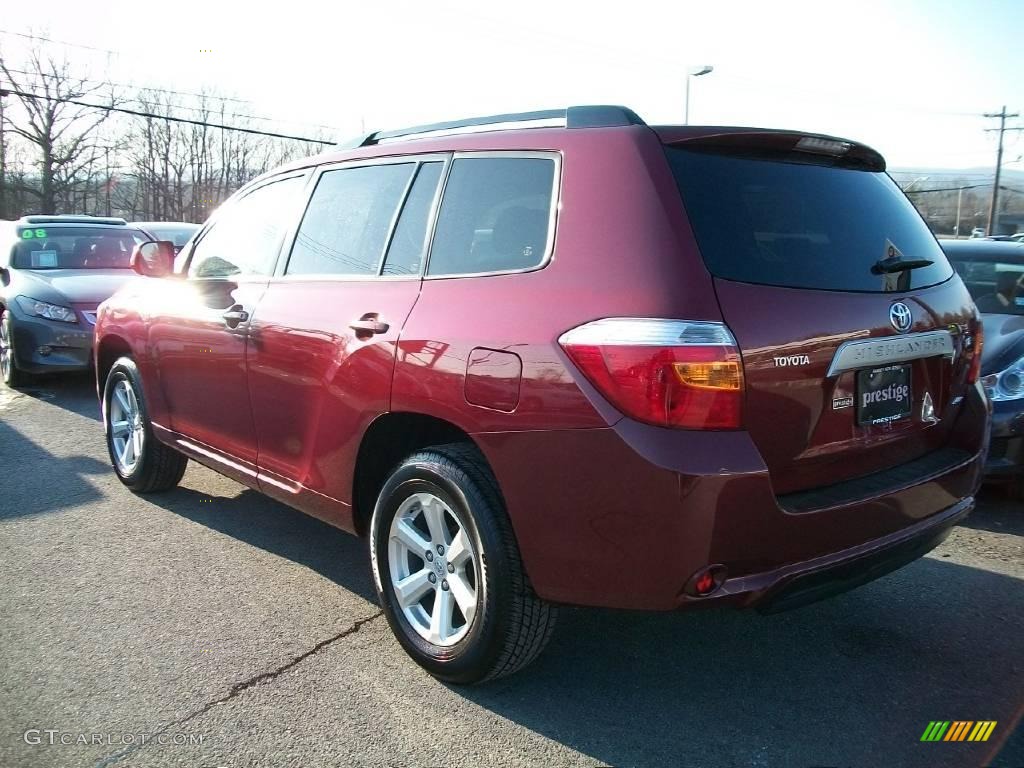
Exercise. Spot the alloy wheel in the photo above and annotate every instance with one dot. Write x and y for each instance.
(6, 353)
(433, 568)
(127, 432)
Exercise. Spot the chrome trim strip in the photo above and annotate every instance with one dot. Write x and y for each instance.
(865, 353)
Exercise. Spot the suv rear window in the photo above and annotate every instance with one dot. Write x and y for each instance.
(801, 225)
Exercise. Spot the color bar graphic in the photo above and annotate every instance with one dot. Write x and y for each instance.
(958, 730)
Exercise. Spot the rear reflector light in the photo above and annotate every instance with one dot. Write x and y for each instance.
(978, 341)
(706, 580)
(671, 373)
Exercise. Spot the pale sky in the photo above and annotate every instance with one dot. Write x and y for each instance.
(910, 78)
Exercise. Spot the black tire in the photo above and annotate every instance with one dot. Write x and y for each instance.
(13, 377)
(159, 467)
(512, 625)
(1015, 489)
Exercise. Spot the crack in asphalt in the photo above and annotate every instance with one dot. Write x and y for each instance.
(236, 690)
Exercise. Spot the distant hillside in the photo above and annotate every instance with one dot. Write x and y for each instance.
(951, 177)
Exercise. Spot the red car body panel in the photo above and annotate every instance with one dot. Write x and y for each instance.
(315, 385)
(284, 403)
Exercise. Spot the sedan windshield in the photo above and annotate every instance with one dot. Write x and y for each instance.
(996, 287)
(75, 247)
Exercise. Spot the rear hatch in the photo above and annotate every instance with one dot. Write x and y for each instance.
(855, 334)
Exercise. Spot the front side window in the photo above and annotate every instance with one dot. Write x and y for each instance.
(246, 237)
(495, 216)
(348, 219)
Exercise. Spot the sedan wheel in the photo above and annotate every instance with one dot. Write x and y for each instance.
(9, 372)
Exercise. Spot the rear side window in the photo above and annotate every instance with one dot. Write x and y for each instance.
(495, 215)
(801, 225)
(348, 219)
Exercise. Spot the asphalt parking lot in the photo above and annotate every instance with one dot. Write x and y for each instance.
(214, 613)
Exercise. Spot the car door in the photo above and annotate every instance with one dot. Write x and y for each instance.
(199, 330)
(323, 341)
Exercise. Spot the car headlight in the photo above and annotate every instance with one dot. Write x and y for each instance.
(1008, 384)
(44, 309)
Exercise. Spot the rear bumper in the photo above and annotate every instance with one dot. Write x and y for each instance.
(70, 344)
(797, 585)
(624, 517)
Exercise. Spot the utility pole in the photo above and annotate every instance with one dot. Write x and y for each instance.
(106, 152)
(993, 211)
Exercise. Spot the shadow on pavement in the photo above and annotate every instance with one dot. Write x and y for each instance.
(262, 522)
(28, 472)
(75, 392)
(997, 513)
(851, 681)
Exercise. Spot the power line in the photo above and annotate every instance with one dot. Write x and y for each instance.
(168, 118)
(58, 42)
(200, 110)
(140, 87)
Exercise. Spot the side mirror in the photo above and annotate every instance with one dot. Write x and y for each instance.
(154, 258)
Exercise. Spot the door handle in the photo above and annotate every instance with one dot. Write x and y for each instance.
(235, 316)
(368, 325)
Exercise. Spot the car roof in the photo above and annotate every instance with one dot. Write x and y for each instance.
(983, 250)
(535, 131)
(49, 220)
(145, 224)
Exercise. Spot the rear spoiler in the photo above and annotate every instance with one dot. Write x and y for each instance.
(794, 146)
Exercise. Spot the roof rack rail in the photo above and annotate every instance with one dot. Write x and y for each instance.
(71, 219)
(590, 116)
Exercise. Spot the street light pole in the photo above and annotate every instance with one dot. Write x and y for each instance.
(693, 72)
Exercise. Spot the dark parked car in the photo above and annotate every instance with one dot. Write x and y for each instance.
(601, 364)
(54, 272)
(177, 232)
(994, 274)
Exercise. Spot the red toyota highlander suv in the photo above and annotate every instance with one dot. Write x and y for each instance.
(565, 357)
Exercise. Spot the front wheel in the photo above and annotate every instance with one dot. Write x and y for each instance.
(10, 373)
(140, 461)
(448, 571)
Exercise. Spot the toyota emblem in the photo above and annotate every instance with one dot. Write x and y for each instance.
(900, 317)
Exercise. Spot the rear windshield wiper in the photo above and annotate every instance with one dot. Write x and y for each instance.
(890, 266)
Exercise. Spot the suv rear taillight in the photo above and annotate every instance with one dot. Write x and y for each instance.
(671, 373)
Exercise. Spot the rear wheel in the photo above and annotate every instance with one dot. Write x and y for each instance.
(448, 571)
(140, 461)
(9, 371)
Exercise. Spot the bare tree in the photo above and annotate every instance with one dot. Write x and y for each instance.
(62, 132)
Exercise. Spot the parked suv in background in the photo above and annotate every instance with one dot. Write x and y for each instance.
(54, 272)
(599, 363)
